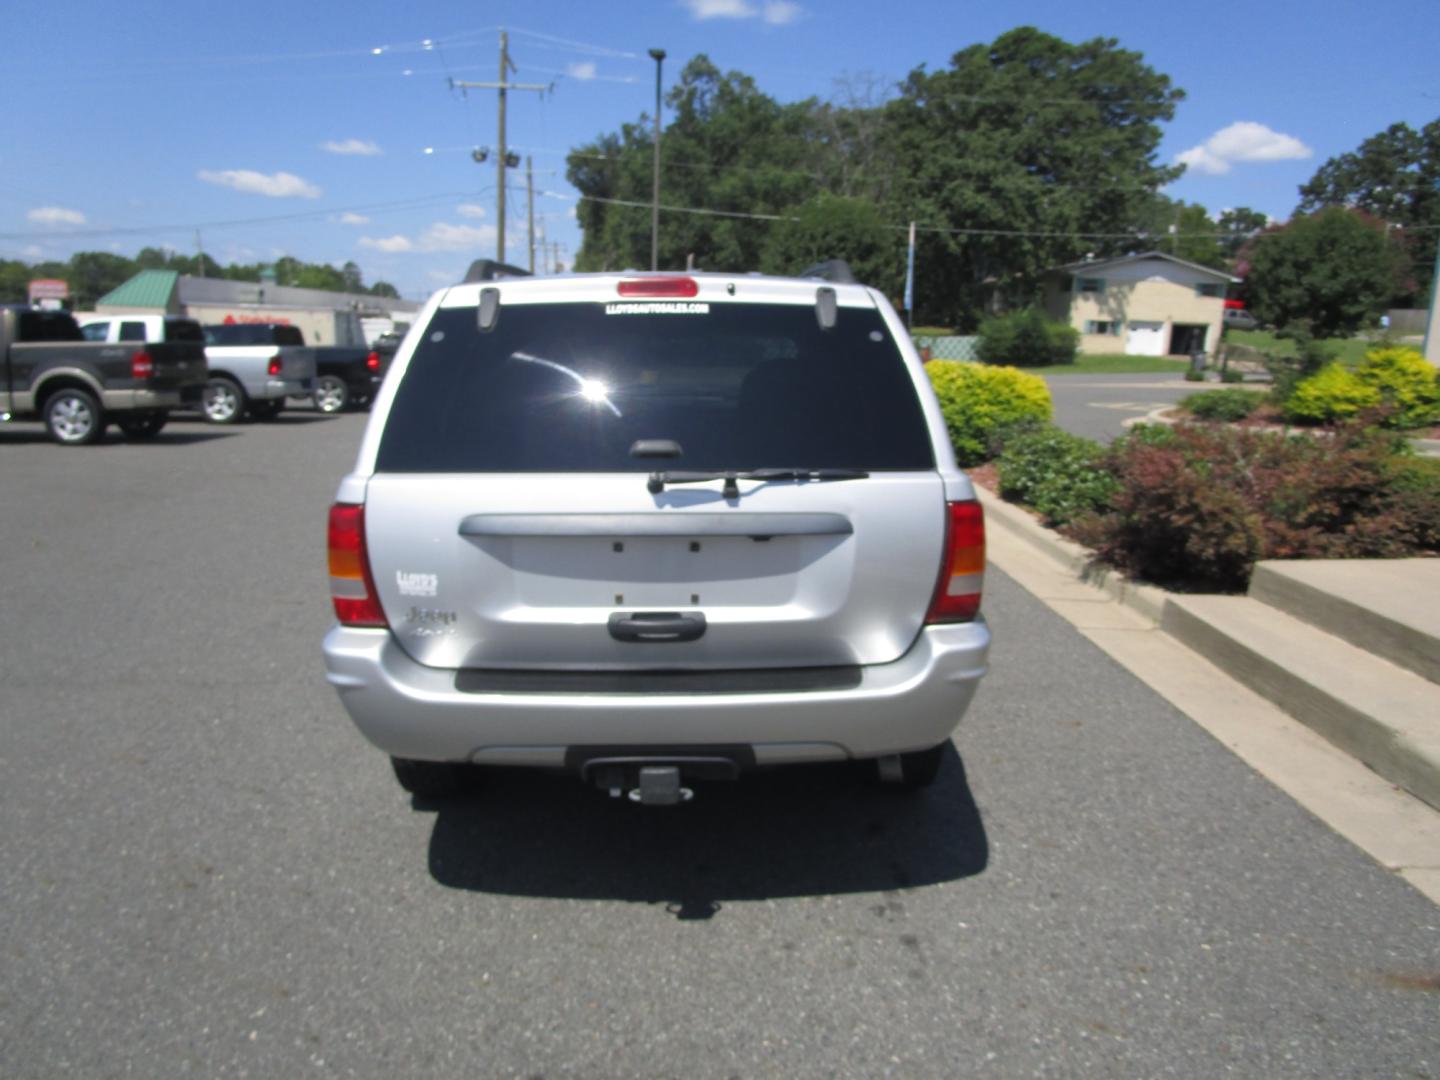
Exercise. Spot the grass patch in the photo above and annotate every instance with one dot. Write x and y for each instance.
(1113, 364)
(1349, 351)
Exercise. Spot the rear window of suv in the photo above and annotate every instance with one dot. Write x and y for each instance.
(570, 388)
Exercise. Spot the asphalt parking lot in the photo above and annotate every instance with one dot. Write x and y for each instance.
(207, 872)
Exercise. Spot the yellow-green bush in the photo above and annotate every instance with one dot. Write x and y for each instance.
(979, 400)
(1407, 385)
(1331, 394)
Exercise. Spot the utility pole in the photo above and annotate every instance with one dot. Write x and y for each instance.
(658, 55)
(530, 212)
(200, 251)
(503, 159)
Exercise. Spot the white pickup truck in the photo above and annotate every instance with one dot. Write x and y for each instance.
(253, 369)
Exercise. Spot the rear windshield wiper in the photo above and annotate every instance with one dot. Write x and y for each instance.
(658, 480)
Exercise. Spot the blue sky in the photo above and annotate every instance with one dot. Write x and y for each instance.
(301, 128)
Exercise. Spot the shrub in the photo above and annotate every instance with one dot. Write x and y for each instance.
(979, 401)
(1028, 339)
(1407, 384)
(1224, 405)
(1330, 395)
(1191, 375)
(1230, 375)
(1199, 508)
(1415, 489)
(1055, 473)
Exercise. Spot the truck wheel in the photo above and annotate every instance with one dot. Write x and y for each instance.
(222, 401)
(142, 426)
(331, 394)
(266, 410)
(74, 418)
(429, 780)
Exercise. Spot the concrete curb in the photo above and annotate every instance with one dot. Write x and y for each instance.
(1147, 601)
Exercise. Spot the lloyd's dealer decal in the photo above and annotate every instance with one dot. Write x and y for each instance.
(411, 584)
(657, 308)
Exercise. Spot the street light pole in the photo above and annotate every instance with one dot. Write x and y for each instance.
(658, 55)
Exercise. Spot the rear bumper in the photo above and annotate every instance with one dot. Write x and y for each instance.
(412, 711)
(283, 388)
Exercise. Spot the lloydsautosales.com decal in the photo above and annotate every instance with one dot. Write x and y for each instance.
(657, 309)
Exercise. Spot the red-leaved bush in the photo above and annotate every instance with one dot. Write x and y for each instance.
(1197, 506)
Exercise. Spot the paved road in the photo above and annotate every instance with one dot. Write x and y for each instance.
(1096, 406)
(205, 871)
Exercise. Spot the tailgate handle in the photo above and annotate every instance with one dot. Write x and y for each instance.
(657, 627)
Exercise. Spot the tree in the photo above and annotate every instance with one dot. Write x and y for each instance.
(1194, 234)
(835, 227)
(1023, 144)
(1394, 176)
(385, 289)
(1329, 273)
(92, 274)
(1240, 225)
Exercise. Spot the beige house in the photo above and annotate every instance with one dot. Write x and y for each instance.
(1143, 305)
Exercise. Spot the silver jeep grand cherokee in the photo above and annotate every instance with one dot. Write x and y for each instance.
(654, 529)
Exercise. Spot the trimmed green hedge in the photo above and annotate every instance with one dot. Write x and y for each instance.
(978, 401)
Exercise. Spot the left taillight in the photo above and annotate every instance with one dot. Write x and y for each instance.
(962, 572)
(142, 365)
(274, 368)
(373, 361)
(352, 589)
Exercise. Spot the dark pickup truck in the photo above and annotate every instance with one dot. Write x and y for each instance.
(50, 373)
(344, 376)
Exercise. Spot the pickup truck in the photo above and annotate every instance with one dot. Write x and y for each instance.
(124, 328)
(253, 369)
(49, 372)
(338, 376)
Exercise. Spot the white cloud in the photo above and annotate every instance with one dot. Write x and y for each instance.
(280, 185)
(721, 9)
(360, 147)
(782, 12)
(349, 218)
(56, 215)
(390, 244)
(34, 251)
(438, 237)
(582, 70)
(774, 12)
(1246, 141)
(471, 210)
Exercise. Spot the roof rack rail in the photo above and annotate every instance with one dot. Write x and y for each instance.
(833, 270)
(490, 270)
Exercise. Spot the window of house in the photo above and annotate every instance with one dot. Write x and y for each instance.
(1089, 285)
(1102, 326)
(1210, 290)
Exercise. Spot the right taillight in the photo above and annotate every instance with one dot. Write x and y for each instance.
(372, 362)
(962, 571)
(352, 590)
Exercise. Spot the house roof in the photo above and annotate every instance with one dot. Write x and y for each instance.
(198, 290)
(148, 288)
(1096, 264)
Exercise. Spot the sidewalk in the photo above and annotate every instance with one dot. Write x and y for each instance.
(1326, 678)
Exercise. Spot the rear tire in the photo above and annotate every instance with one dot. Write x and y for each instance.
(919, 768)
(223, 401)
(331, 394)
(142, 427)
(432, 781)
(74, 417)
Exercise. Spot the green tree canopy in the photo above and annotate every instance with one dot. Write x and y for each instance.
(1182, 229)
(1329, 273)
(1025, 143)
(1395, 176)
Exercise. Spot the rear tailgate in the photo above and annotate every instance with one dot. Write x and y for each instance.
(511, 521)
(487, 572)
(178, 365)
